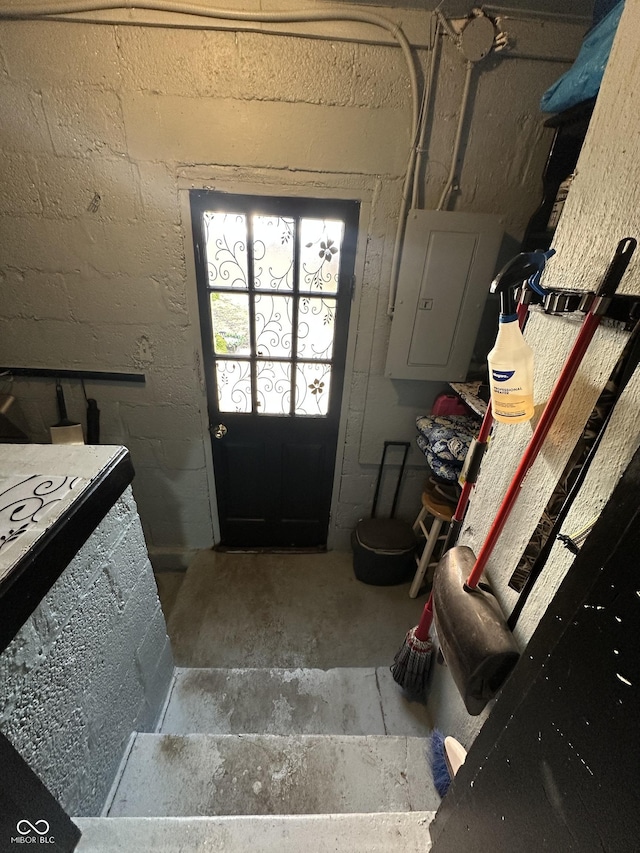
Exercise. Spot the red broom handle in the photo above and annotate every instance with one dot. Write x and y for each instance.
(424, 625)
(587, 330)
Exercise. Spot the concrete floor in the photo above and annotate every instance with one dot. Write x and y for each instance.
(390, 832)
(344, 701)
(301, 717)
(210, 774)
(286, 610)
(169, 584)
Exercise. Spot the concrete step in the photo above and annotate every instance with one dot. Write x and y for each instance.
(342, 833)
(348, 701)
(200, 774)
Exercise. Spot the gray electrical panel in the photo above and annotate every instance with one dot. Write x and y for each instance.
(448, 262)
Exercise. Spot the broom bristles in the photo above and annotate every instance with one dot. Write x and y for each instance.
(438, 760)
(411, 665)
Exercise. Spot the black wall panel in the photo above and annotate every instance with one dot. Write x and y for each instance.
(557, 764)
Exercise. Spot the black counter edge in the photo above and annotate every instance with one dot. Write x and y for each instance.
(36, 572)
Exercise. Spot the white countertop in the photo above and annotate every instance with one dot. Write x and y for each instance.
(38, 483)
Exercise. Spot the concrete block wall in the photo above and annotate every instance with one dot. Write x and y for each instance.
(105, 126)
(91, 665)
(602, 208)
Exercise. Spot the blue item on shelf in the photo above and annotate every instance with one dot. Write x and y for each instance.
(446, 471)
(445, 440)
(582, 81)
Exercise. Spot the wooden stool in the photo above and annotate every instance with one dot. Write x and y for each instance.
(441, 511)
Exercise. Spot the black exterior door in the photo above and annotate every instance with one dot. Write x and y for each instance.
(274, 283)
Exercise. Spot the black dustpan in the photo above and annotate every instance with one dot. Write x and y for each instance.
(476, 643)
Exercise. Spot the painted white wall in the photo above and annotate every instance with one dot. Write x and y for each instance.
(128, 113)
(603, 207)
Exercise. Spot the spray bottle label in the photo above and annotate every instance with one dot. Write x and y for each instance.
(511, 374)
(502, 375)
(510, 400)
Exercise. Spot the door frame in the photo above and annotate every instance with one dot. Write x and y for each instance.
(265, 182)
(294, 422)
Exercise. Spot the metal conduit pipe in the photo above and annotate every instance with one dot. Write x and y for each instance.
(456, 146)
(424, 113)
(446, 26)
(410, 185)
(407, 185)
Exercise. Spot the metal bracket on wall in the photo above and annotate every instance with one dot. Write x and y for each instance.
(622, 308)
(48, 373)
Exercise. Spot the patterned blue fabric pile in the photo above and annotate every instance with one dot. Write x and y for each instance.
(445, 440)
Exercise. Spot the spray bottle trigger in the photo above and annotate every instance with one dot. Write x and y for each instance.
(534, 281)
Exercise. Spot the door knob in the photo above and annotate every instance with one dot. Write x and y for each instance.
(219, 430)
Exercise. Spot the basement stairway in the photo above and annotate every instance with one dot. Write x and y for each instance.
(286, 760)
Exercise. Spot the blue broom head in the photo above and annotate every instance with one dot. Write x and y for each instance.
(439, 769)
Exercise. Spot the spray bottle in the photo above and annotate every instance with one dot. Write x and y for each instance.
(511, 359)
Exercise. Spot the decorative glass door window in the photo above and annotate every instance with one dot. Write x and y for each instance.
(272, 283)
(274, 314)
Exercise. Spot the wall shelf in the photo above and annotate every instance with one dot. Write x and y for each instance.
(49, 373)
